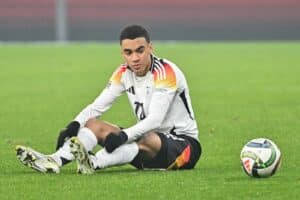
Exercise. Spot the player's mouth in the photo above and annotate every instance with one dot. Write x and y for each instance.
(136, 66)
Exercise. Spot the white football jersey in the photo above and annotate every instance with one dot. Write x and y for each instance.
(160, 100)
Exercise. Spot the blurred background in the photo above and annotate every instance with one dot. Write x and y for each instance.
(101, 20)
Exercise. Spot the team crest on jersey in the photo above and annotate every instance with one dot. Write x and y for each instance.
(148, 90)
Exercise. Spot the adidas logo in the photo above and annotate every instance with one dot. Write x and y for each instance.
(131, 90)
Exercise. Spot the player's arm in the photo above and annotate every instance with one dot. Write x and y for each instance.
(158, 109)
(162, 97)
(100, 105)
(159, 106)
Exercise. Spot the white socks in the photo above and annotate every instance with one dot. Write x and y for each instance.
(122, 155)
(85, 136)
(63, 152)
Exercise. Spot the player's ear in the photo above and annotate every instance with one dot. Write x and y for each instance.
(150, 46)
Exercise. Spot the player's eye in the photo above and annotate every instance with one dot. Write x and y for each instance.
(140, 50)
(128, 52)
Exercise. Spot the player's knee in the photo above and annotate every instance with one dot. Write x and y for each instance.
(101, 128)
(94, 125)
(150, 143)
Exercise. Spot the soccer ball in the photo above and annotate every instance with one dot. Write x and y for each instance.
(260, 158)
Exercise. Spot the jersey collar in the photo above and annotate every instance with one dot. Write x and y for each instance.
(152, 63)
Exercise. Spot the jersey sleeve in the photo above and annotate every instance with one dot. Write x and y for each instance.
(106, 98)
(165, 86)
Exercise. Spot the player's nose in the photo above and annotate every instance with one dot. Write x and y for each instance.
(135, 57)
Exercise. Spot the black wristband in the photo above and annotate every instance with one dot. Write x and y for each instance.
(123, 136)
(114, 140)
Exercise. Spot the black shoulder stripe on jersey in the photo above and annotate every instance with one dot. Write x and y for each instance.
(160, 70)
(152, 63)
(155, 62)
(157, 65)
(183, 98)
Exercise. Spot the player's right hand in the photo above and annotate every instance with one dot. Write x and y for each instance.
(67, 132)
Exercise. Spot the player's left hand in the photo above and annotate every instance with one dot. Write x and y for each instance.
(114, 140)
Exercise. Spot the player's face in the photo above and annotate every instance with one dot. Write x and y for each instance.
(137, 55)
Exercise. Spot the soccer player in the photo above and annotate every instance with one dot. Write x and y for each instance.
(165, 136)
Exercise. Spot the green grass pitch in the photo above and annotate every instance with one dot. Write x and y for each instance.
(239, 91)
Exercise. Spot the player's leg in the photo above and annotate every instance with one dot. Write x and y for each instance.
(147, 147)
(101, 129)
(89, 136)
(81, 145)
(175, 152)
(121, 155)
(153, 150)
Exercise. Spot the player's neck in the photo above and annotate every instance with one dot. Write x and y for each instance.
(144, 73)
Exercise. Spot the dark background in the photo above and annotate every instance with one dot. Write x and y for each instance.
(34, 20)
